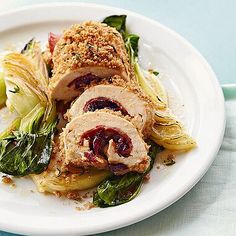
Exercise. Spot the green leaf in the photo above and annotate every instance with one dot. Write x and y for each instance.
(153, 152)
(156, 73)
(118, 190)
(23, 153)
(131, 44)
(118, 22)
(28, 47)
(121, 189)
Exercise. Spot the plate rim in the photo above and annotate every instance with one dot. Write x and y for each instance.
(31, 230)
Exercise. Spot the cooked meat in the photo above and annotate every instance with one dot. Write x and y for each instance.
(87, 52)
(105, 141)
(115, 98)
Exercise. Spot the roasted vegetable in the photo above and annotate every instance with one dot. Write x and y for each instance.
(121, 189)
(25, 146)
(50, 181)
(118, 190)
(169, 133)
(25, 153)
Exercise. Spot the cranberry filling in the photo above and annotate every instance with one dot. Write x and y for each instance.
(99, 138)
(117, 167)
(84, 80)
(102, 102)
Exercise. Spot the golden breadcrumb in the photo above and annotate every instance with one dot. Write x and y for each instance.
(7, 180)
(89, 44)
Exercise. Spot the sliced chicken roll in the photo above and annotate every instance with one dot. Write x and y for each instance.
(115, 98)
(87, 52)
(104, 141)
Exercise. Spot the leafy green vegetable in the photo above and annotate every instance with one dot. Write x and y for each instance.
(28, 72)
(118, 190)
(25, 146)
(118, 22)
(131, 44)
(31, 122)
(153, 151)
(121, 189)
(29, 46)
(23, 153)
(156, 73)
(3, 96)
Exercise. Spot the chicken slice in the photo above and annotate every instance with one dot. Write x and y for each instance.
(115, 98)
(105, 141)
(87, 52)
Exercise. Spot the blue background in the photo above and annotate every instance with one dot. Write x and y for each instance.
(209, 25)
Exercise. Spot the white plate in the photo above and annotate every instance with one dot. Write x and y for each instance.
(186, 74)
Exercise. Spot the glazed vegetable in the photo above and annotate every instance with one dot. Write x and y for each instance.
(25, 146)
(121, 189)
(118, 190)
(50, 181)
(25, 153)
(170, 134)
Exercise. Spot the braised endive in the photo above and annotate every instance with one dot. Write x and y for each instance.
(25, 146)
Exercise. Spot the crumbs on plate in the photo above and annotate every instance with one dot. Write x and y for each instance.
(8, 181)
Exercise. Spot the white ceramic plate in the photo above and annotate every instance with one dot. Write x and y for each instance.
(187, 77)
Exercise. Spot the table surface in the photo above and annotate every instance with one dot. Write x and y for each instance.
(210, 207)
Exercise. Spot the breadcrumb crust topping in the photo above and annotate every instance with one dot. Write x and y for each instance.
(89, 44)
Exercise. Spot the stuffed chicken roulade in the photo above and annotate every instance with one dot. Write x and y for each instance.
(84, 53)
(104, 141)
(115, 98)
